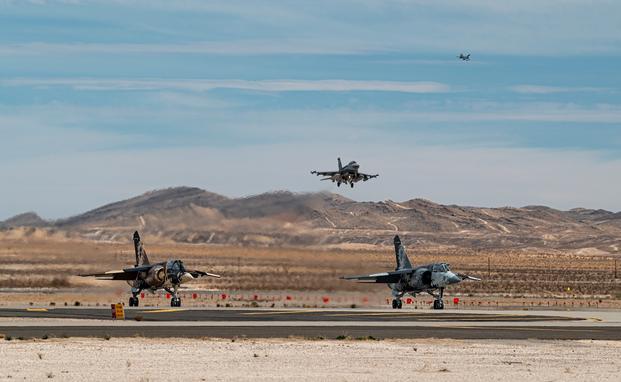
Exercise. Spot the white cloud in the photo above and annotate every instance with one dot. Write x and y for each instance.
(554, 27)
(206, 85)
(542, 89)
(236, 47)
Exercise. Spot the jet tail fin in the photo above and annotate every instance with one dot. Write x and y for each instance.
(340, 164)
(403, 262)
(141, 254)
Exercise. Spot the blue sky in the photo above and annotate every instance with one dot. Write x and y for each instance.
(102, 100)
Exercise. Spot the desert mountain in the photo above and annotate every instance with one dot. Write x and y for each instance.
(193, 215)
(28, 219)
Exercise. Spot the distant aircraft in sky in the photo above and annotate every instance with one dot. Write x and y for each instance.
(407, 279)
(345, 174)
(464, 57)
(167, 275)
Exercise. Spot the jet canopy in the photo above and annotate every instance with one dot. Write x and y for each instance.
(443, 267)
(175, 269)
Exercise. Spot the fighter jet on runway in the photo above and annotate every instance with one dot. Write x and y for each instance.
(167, 275)
(405, 279)
(345, 174)
(464, 57)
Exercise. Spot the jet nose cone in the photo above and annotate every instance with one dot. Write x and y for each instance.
(453, 279)
(187, 276)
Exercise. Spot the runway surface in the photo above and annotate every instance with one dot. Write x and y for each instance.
(326, 323)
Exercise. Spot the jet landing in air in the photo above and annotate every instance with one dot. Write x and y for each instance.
(409, 280)
(167, 275)
(345, 174)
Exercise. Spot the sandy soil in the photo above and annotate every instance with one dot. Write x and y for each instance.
(297, 359)
(43, 272)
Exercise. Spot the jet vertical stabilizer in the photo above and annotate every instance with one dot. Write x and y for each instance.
(402, 258)
(141, 254)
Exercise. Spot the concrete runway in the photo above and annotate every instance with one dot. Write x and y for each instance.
(327, 323)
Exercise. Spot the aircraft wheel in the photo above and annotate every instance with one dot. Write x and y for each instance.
(438, 304)
(132, 301)
(338, 184)
(175, 302)
(394, 304)
(352, 185)
(399, 304)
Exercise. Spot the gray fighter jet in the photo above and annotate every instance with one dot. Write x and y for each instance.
(408, 280)
(464, 57)
(345, 174)
(167, 275)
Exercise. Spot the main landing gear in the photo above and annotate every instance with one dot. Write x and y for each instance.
(133, 300)
(397, 304)
(438, 303)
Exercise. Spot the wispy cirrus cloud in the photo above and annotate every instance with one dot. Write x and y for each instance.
(236, 47)
(206, 85)
(543, 89)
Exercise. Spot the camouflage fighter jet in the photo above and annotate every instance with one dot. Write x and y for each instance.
(345, 174)
(464, 57)
(409, 280)
(167, 275)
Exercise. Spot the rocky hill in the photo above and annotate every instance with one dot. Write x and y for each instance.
(193, 215)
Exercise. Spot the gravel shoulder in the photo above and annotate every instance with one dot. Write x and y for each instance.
(142, 359)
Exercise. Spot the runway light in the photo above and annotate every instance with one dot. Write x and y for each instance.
(167, 296)
(194, 296)
(326, 299)
(408, 301)
(456, 300)
(223, 296)
(289, 298)
(142, 295)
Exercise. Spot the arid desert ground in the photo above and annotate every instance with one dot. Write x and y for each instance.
(308, 360)
(45, 271)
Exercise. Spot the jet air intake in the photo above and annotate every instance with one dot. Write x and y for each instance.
(156, 276)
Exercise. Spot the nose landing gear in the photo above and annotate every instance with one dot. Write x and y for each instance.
(397, 304)
(175, 302)
(438, 303)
